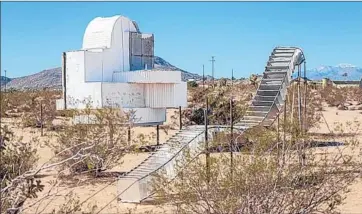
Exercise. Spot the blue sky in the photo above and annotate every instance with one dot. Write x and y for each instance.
(240, 34)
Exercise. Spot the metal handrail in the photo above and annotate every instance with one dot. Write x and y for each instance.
(211, 127)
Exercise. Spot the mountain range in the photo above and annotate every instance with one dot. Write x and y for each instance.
(339, 72)
(51, 78)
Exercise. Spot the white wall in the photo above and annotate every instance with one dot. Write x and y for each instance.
(148, 76)
(148, 115)
(76, 88)
(116, 56)
(123, 95)
(93, 66)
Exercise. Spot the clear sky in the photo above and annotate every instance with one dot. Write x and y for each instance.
(240, 34)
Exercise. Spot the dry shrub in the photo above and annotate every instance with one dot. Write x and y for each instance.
(17, 159)
(266, 177)
(334, 96)
(93, 147)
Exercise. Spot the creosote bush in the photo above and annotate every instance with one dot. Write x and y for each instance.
(267, 176)
(93, 147)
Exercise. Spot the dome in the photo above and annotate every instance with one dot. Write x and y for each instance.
(99, 32)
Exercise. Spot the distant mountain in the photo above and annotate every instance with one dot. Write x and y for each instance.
(4, 80)
(338, 72)
(52, 78)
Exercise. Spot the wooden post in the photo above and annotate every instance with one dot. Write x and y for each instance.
(129, 134)
(231, 136)
(180, 117)
(207, 142)
(305, 124)
(41, 117)
(158, 134)
(284, 129)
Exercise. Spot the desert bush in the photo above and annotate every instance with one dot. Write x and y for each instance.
(192, 84)
(267, 177)
(222, 82)
(333, 96)
(17, 161)
(93, 147)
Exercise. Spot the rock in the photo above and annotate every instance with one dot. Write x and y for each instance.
(352, 108)
(341, 107)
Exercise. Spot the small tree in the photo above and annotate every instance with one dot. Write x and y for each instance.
(192, 84)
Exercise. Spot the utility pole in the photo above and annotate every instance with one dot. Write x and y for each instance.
(203, 77)
(212, 63)
(5, 81)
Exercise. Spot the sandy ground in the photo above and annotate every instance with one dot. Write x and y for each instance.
(104, 192)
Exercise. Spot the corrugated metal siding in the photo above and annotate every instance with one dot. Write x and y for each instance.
(148, 76)
(159, 95)
(180, 94)
(141, 51)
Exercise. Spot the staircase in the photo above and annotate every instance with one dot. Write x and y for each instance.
(270, 95)
(134, 185)
(265, 106)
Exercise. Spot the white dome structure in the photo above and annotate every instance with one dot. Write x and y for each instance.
(115, 68)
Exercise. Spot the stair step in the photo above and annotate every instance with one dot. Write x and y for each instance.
(279, 59)
(262, 103)
(249, 121)
(264, 98)
(264, 86)
(267, 92)
(259, 108)
(273, 68)
(283, 54)
(254, 118)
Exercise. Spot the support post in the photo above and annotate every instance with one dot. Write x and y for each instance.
(158, 134)
(284, 128)
(41, 117)
(299, 99)
(305, 124)
(180, 116)
(207, 142)
(231, 136)
(129, 134)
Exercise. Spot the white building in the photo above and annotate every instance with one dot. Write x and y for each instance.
(115, 68)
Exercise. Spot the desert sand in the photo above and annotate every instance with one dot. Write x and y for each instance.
(104, 191)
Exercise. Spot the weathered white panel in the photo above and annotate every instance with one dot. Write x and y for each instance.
(59, 104)
(98, 33)
(180, 94)
(159, 95)
(147, 45)
(136, 44)
(93, 66)
(123, 95)
(79, 93)
(148, 76)
(147, 115)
